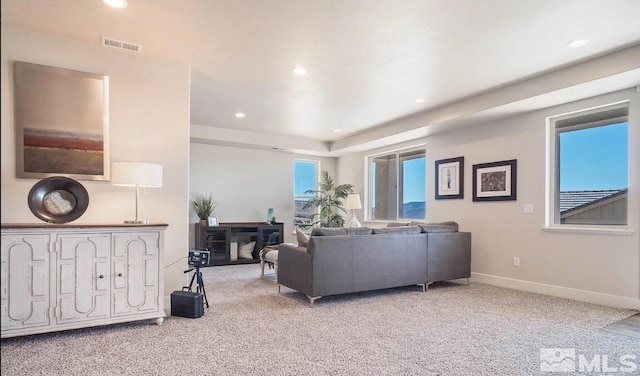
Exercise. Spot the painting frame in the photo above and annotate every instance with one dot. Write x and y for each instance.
(495, 181)
(61, 122)
(212, 221)
(449, 178)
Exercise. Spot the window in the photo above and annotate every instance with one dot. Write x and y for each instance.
(305, 179)
(589, 179)
(397, 185)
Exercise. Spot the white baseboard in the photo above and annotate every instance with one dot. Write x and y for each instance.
(559, 291)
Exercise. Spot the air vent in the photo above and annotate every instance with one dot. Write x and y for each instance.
(114, 43)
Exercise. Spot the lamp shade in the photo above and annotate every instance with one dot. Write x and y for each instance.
(136, 174)
(353, 202)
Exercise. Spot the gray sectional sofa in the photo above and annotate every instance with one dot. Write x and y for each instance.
(347, 260)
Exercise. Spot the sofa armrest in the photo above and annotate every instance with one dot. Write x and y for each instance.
(294, 267)
(448, 256)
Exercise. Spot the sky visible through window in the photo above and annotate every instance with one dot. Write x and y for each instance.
(304, 177)
(594, 158)
(414, 182)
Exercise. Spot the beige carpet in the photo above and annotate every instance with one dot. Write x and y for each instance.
(251, 329)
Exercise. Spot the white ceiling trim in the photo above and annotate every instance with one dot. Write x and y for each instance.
(204, 134)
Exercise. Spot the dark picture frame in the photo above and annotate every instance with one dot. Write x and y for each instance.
(495, 181)
(62, 123)
(449, 178)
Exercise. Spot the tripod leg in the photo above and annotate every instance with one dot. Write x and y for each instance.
(201, 287)
(193, 277)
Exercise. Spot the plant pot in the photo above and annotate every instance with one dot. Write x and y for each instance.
(204, 223)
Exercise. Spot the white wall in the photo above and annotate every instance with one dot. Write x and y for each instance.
(247, 182)
(149, 121)
(593, 267)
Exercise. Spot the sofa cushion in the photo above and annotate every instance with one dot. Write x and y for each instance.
(446, 226)
(326, 231)
(437, 228)
(358, 230)
(397, 230)
(397, 224)
(303, 239)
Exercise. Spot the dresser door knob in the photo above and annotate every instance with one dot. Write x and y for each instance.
(119, 274)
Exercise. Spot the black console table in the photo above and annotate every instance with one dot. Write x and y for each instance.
(218, 239)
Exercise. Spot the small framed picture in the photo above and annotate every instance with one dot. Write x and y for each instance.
(213, 221)
(450, 178)
(495, 181)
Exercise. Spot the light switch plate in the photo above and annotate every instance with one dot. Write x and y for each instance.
(528, 209)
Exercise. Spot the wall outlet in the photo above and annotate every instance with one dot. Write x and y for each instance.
(516, 261)
(528, 209)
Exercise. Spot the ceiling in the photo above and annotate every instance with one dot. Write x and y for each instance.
(367, 60)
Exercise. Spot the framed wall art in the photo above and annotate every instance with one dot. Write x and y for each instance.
(62, 123)
(495, 181)
(450, 178)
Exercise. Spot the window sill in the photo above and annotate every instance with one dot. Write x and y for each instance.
(589, 230)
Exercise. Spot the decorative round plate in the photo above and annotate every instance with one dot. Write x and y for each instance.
(58, 199)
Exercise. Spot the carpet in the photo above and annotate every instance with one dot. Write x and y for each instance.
(251, 329)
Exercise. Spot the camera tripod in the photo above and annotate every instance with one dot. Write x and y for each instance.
(197, 277)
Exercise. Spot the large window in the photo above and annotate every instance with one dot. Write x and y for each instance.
(305, 179)
(397, 186)
(589, 179)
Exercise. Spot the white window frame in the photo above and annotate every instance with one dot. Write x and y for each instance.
(552, 166)
(367, 168)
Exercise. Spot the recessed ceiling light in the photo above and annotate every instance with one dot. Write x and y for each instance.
(419, 100)
(299, 70)
(337, 130)
(116, 3)
(577, 43)
(240, 115)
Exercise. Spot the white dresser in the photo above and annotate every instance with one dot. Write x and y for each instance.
(59, 277)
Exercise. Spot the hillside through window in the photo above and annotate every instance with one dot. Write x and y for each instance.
(591, 167)
(397, 186)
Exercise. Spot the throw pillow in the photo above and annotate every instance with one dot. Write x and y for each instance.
(245, 250)
(303, 239)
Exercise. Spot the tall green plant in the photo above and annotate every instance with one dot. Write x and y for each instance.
(328, 198)
(203, 205)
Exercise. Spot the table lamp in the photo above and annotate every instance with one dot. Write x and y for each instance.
(353, 203)
(136, 174)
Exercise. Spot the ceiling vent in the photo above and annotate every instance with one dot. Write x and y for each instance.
(122, 45)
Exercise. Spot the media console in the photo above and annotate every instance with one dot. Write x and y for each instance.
(218, 240)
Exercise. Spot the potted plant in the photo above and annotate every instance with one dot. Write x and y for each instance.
(329, 201)
(204, 206)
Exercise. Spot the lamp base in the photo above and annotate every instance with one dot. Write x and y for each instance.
(145, 222)
(354, 222)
